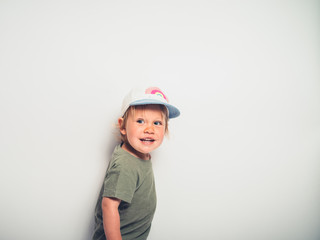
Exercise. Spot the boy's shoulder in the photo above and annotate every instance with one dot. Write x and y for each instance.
(122, 157)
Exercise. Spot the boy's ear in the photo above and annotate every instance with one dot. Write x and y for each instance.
(121, 127)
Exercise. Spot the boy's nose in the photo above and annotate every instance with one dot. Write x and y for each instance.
(149, 129)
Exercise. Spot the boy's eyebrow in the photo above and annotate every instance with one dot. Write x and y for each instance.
(155, 119)
(138, 116)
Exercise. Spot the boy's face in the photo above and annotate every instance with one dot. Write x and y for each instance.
(145, 129)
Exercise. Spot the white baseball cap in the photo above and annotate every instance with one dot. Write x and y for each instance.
(151, 95)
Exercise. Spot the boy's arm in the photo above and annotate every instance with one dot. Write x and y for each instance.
(111, 218)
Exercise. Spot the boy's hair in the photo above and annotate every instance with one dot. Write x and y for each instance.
(131, 110)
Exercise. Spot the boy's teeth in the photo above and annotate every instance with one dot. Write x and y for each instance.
(149, 140)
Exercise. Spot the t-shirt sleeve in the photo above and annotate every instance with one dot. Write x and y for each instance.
(120, 182)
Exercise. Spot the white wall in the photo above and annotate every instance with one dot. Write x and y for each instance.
(242, 161)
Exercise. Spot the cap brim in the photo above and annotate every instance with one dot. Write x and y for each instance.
(173, 111)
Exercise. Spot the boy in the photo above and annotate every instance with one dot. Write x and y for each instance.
(127, 199)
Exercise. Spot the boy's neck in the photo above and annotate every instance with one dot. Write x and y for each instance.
(127, 147)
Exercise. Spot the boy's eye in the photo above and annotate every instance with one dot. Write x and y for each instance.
(140, 121)
(157, 123)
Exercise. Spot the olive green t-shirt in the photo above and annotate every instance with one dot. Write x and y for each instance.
(131, 180)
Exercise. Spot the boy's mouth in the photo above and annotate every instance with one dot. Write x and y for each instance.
(147, 140)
